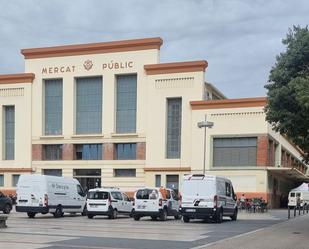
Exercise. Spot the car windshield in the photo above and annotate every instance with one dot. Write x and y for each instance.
(146, 194)
(98, 195)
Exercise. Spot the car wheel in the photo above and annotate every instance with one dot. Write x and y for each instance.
(7, 209)
(219, 217)
(154, 217)
(114, 214)
(186, 219)
(136, 217)
(31, 214)
(163, 215)
(90, 216)
(177, 217)
(234, 216)
(58, 213)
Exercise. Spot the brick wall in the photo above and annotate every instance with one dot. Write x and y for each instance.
(108, 151)
(262, 151)
(37, 152)
(67, 152)
(141, 151)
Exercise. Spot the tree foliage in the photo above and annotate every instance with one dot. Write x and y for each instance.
(288, 90)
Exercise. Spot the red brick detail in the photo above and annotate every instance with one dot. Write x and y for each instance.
(251, 195)
(8, 192)
(108, 151)
(262, 151)
(37, 152)
(140, 151)
(67, 152)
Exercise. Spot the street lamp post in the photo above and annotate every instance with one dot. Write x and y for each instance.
(205, 124)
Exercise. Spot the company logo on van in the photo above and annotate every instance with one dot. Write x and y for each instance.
(59, 187)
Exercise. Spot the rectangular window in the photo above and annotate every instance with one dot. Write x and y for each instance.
(88, 151)
(172, 181)
(52, 172)
(125, 151)
(158, 181)
(52, 152)
(1, 180)
(9, 132)
(234, 151)
(126, 104)
(15, 180)
(89, 105)
(173, 133)
(53, 107)
(125, 172)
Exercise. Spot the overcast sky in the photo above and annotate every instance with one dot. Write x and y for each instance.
(239, 38)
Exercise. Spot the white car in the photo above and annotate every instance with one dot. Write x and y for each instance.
(109, 202)
(156, 203)
(206, 196)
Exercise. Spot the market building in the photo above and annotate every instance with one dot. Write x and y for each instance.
(110, 114)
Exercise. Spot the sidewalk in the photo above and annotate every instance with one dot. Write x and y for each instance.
(293, 233)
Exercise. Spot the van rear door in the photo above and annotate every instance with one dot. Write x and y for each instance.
(31, 194)
(98, 201)
(147, 200)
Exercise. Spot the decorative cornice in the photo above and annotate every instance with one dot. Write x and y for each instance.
(93, 48)
(228, 103)
(165, 169)
(15, 170)
(16, 78)
(176, 67)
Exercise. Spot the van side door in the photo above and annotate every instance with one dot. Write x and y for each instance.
(127, 203)
(229, 203)
(117, 201)
(80, 197)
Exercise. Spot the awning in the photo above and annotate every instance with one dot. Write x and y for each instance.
(289, 173)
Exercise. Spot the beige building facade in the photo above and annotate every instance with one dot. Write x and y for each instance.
(110, 114)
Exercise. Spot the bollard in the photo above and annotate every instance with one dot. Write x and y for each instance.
(307, 208)
(289, 210)
(294, 211)
(304, 209)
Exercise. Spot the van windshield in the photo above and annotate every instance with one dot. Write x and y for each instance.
(98, 195)
(145, 194)
(298, 194)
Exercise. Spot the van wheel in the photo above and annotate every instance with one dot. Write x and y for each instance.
(136, 217)
(177, 217)
(186, 219)
(154, 217)
(90, 216)
(58, 213)
(219, 217)
(7, 209)
(163, 215)
(114, 214)
(31, 215)
(234, 216)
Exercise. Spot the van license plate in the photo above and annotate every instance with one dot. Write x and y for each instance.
(141, 207)
(190, 210)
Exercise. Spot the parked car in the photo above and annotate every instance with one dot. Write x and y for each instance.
(109, 202)
(205, 196)
(156, 203)
(49, 194)
(5, 204)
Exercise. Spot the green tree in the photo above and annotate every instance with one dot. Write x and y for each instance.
(288, 90)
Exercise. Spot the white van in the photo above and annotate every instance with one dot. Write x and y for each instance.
(156, 203)
(301, 193)
(205, 196)
(49, 194)
(108, 201)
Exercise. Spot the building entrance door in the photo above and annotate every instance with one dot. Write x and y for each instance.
(88, 178)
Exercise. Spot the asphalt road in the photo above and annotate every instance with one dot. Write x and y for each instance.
(80, 232)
